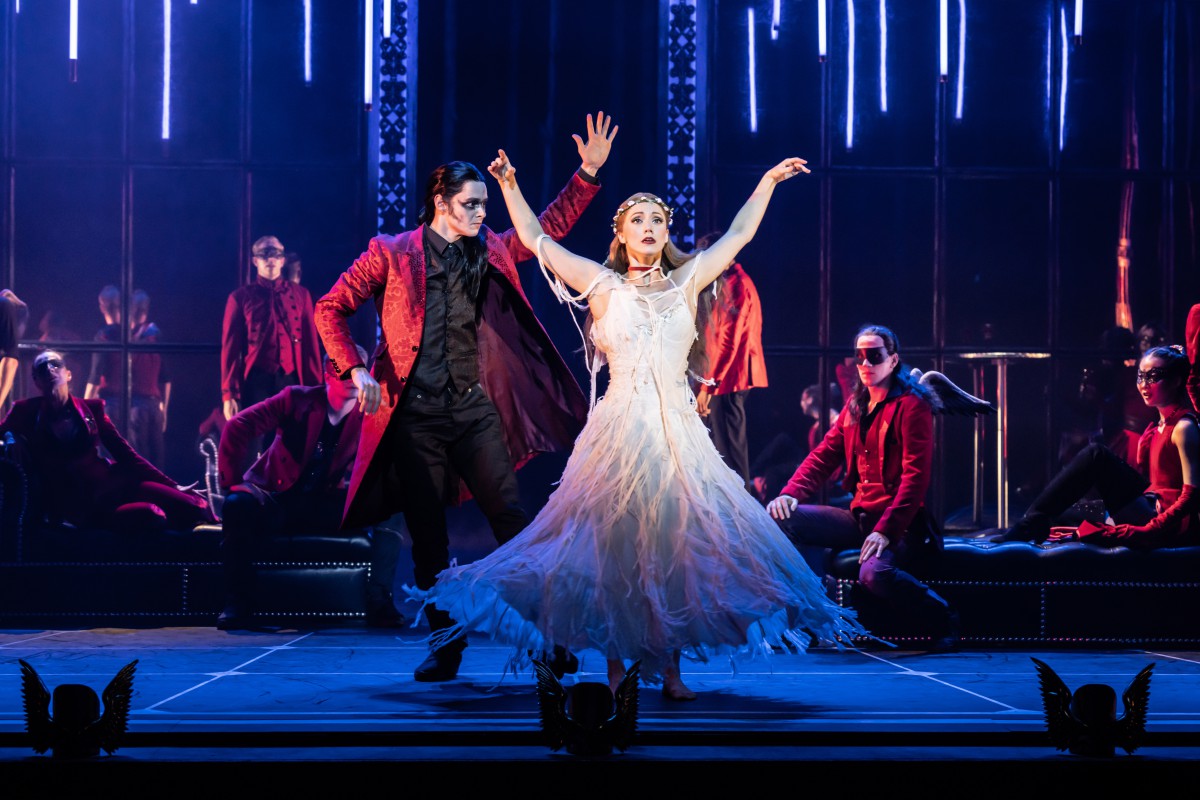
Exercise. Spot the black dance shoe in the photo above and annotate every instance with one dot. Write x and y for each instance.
(1026, 530)
(385, 615)
(441, 664)
(951, 636)
(235, 618)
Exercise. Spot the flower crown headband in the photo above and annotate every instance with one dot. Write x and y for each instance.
(645, 198)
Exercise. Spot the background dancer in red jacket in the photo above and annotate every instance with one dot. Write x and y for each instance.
(729, 319)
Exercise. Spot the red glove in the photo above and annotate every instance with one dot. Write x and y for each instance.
(1160, 531)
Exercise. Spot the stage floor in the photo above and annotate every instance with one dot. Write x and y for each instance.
(342, 694)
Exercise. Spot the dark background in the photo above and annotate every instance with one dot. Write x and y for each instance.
(962, 234)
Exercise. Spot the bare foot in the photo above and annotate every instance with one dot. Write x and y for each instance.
(616, 674)
(675, 689)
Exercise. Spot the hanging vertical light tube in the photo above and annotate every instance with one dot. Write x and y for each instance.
(387, 19)
(753, 79)
(368, 53)
(73, 45)
(18, 6)
(822, 50)
(1078, 21)
(166, 78)
(1062, 90)
(850, 76)
(943, 39)
(962, 57)
(774, 19)
(308, 42)
(883, 56)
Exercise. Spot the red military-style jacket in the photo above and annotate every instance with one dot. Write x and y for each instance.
(733, 334)
(539, 401)
(269, 325)
(295, 418)
(898, 452)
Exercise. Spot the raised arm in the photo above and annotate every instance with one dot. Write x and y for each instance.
(745, 224)
(575, 271)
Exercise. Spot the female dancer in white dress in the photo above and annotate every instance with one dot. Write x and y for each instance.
(650, 545)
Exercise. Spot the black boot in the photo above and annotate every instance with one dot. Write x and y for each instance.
(441, 664)
(1033, 527)
(945, 622)
(382, 612)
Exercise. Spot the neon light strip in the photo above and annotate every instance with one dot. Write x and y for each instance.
(1062, 92)
(774, 19)
(1078, 19)
(166, 89)
(18, 6)
(962, 55)
(387, 19)
(943, 38)
(850, 77)
(73, 48)
(883, 56)
(753, 87)
(368, 52)
(307, 41)
(821, 32)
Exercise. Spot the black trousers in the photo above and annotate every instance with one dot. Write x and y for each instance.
(727, 427)
(1096, 467)
(250, 519)
(436, 440)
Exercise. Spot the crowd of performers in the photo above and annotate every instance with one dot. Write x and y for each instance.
(661, 540)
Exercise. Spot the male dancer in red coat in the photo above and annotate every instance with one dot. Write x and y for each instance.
(883, 438)
(466, 385)
(298, 485)
(121, 491)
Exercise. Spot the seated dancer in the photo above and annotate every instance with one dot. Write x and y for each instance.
(651, 546)
(65, 434)
(883, 438)
(1154, 505)
(297, 486)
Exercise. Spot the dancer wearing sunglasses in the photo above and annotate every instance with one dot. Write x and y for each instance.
(120, 491)
(1154, 505)
(883, 437)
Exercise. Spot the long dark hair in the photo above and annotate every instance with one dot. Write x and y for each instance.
(447, 181)
(901, 375)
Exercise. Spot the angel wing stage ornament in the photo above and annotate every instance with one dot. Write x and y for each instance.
(948, 398)
(1086, 722)
(587, 718)
(77, 729)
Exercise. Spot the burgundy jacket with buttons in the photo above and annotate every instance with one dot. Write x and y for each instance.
(904, 428)
(294, 417)
(262, 320)
(540, 404)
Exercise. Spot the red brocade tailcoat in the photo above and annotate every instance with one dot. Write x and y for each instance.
(540, 404)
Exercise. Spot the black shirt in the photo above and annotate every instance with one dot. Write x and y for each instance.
(448, 354)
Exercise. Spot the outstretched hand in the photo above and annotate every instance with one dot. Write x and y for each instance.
(788, 168)
(503, 171)
(594, 152)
